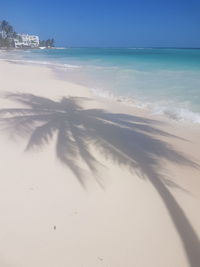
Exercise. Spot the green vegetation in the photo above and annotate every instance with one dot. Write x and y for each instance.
(48, 43)
(7, 35)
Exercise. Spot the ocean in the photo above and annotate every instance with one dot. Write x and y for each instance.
(163, 80)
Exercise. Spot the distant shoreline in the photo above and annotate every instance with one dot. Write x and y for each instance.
(98, 47)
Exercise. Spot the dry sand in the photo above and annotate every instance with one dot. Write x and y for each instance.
(116, 191)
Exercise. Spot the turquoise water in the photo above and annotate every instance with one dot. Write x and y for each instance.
(164, 80)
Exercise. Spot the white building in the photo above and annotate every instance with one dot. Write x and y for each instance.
(3, 34)
(26, 40)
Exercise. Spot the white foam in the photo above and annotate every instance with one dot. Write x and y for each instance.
(46, 63)
(178, 114)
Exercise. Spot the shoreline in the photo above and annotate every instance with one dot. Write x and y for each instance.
(180, 114)
(124, 192)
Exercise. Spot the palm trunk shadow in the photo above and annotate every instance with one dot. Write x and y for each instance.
(129, 141)
(188, 237)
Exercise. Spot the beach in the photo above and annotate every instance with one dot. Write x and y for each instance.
(89, 182)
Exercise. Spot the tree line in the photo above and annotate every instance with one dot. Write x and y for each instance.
(8, 34)
(47, 43)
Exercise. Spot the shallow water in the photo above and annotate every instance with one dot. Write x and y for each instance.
(164, 80)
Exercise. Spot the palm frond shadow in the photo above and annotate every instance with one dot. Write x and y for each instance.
(125, 139)
(130, 141)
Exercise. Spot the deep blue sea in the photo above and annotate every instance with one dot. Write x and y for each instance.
(162, 80)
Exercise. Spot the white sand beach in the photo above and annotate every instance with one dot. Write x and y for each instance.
(86, 182)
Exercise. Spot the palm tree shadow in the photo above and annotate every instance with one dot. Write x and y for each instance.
(129, 141)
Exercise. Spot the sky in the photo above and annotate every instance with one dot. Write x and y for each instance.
(111, 23)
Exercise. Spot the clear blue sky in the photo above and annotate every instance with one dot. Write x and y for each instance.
(133, 23)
